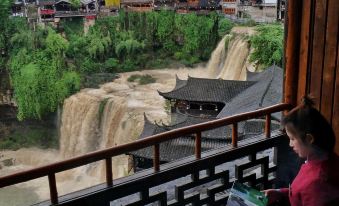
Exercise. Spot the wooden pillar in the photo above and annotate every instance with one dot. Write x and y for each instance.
(292, 45)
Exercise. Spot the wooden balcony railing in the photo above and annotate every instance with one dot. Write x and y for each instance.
(154, 141)
(74, 13)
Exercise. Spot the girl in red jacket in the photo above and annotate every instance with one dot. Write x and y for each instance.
(312, 138)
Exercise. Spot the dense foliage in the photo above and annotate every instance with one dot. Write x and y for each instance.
(46, 64)
(4, 11)
(39, 74)
(133, 41)
(268, 45)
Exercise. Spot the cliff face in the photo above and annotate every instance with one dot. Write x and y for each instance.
(4, 80)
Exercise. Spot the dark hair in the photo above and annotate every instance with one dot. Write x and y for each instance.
(305, 119)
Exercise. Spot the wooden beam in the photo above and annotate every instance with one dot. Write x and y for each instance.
(335, 116)
(318, 50)
(305, 49)
(292, 43)
(330, 56)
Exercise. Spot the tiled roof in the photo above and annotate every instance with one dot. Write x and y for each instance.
(209, 3)
(67, 1)
(265, 92)
(179, 82)
(46, 2)
(207, 90)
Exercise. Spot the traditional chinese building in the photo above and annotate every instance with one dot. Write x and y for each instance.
(18, 8)
(164, 4)
(205, 96)
(281, 8)
(137, 5)
(198, 100)
(53, 10)
(230, 7)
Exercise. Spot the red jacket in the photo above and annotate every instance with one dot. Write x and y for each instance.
(317, 184)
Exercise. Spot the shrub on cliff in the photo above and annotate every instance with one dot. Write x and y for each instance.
(268, 45)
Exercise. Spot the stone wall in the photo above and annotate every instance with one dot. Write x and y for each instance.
(6, 92)
(6, 98)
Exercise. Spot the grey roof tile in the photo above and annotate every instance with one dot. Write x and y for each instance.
(207, 90)
(265, 92)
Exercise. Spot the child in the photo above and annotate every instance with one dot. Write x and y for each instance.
(311, 137)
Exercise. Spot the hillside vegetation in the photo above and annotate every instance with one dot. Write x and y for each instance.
(47, 64)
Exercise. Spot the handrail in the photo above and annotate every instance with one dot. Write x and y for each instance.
(155, 140)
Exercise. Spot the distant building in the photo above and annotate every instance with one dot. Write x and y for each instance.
(18, 8)
(261, 11)
(164, 4)
(137, 5)
(54, 10)
(281, 8)
(230, 7)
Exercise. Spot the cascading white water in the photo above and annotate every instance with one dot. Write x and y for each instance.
(79, 125)
(234, 67)
(228, 60)
(218, 57)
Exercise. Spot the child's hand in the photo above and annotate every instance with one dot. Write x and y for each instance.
(273, 195)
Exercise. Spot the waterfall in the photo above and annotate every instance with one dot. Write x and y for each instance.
(92, 121)
(95, 119)
(234, 67)
(79, 130)
(228, 60)
(218, 57)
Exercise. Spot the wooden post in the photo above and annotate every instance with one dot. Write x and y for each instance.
(109, 173)
(198, 145)
(156, 159)
(268, 126)
(53, 189)
(292, 46)
(235, 135)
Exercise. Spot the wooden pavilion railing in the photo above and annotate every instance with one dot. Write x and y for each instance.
(74, 13)
(154, 141)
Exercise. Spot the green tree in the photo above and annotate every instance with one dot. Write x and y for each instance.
(56, 45)
(225, 27)
(165, 30)
(129, 48)
(75, 3)
(40, 77)
(4, 13)
(268, 45)
(98, 45)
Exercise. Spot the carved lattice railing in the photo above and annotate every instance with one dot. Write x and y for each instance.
(208, 170)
